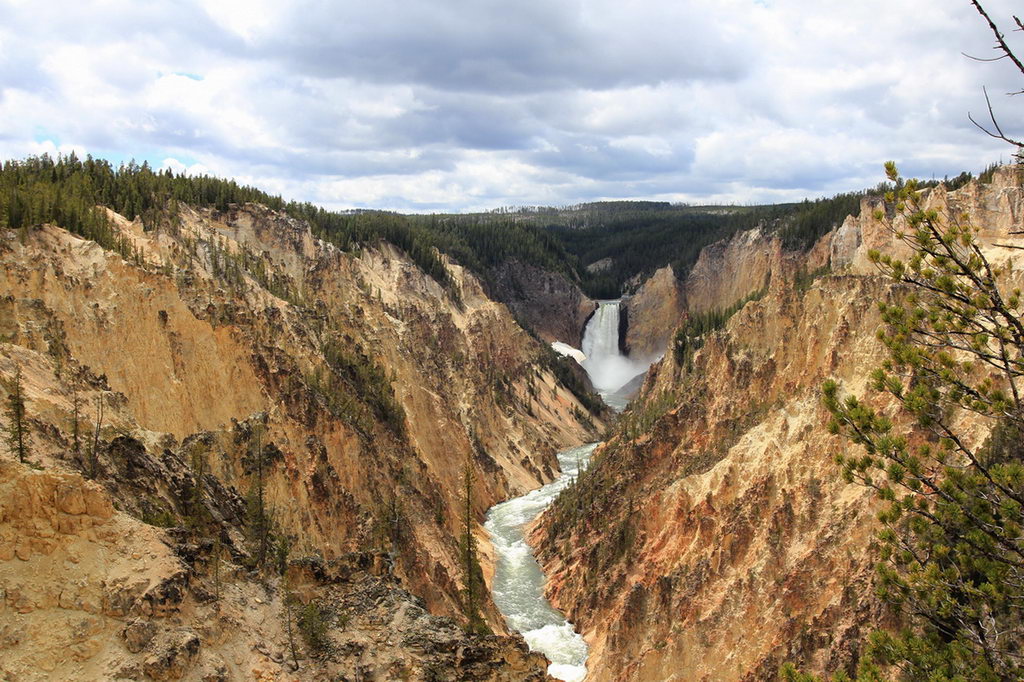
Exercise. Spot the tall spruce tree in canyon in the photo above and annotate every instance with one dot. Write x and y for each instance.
(16, 427)
(473, 574)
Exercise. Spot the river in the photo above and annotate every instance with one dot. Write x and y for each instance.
(518, 586)
(518, 581)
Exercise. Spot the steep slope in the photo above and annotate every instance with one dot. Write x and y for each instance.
(725, 272)
(547, 302)
(652, 314)
(713, 539)
(92, 593)
(234, 362)
(730, 269)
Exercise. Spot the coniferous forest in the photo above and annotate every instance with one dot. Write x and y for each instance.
(627, 239)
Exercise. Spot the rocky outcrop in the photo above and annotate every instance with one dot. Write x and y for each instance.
(91, 593)
(729, 270)
(995, 207)
(74, 572)
(653, 313)
(713, 538)
(725, 272)
(547, 302)
(360, 592)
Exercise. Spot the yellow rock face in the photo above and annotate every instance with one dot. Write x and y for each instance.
(723, 541)
(217, 324)
(185, 346)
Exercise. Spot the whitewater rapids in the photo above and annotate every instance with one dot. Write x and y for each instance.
(518, 586)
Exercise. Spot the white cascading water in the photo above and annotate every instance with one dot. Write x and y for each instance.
(608, 368)
(518, 585)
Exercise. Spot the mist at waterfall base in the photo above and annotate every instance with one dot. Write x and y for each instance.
(609, 370)
(518, 585)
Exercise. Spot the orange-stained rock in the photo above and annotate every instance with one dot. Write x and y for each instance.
(653, 313)
(187, 364)
(720, 541)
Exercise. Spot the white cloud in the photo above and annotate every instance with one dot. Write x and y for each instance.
(425, 106)
(249, 19)
(180, 168)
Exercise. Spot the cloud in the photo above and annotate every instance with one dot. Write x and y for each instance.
(470, 104)
(491, 46)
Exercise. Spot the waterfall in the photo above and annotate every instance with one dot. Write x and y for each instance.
(518, 584)
(608, 368)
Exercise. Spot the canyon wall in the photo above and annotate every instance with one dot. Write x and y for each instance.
(652, 312)
(229, 358)
(713, 538)
(725, 272)
(90, 593)
(729, 270)
(547, 302)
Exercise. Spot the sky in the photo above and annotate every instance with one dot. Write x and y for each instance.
(458, 105)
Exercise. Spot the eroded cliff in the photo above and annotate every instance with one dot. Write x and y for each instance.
(713, 539)
(725, 272)
(652, 314)
(232, 361)
(554, 307)
(93, 593)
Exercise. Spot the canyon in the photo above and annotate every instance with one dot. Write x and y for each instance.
(250, 451)
(712, 538)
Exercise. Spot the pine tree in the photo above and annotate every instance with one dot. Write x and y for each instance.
(17, 436)
(258, 517)
(94, 454)
(76, 429)
(264, 528)
(952, 543)
(197, 517)
(217, 557)
(474, 577)
(952, 547)
(290, 600)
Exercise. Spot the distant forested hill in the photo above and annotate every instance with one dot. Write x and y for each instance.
(66, 191)
(636, 237)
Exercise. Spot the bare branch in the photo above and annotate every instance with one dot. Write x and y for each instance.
(999, 135)
(983, 59)
(1000, 41)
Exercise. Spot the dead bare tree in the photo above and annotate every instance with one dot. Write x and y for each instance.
(1005, 53)
(94, 455)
